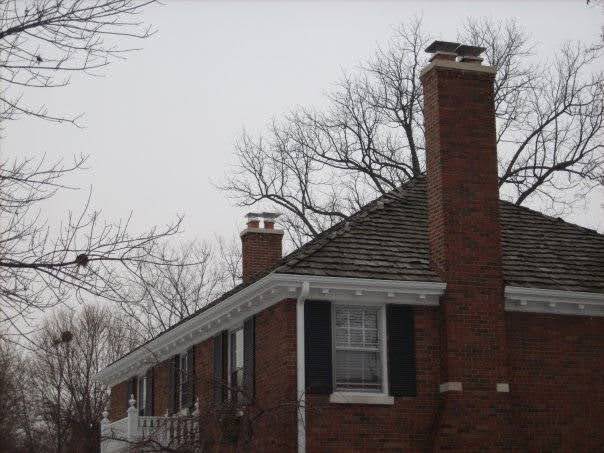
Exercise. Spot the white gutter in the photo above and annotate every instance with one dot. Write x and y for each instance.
(300, 367)
(552, 301)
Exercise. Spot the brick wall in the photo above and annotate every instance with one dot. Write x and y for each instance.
(274, 407)
(276, 429)
(557, 397)
(557, 389)
(117, 401)
(161, 390)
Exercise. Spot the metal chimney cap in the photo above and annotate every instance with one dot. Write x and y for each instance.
(442, 46)
(469, 51)
(463, 50)
(263, 215)
(270, 215)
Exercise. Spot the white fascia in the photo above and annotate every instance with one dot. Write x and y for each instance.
(534, 300)
(259, 296)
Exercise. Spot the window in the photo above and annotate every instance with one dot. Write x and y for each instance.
(236, 363)
(372, 355)
(142, 395)
(183, 380)
(358, 338)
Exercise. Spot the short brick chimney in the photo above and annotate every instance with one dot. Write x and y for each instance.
(262, 246)
(465, 248)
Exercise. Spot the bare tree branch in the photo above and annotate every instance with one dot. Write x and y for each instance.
(181, 282)
(42, 266)
(43, 42)
(322, 165)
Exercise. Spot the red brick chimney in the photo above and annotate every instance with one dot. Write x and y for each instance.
(261, 247)
(465, 249)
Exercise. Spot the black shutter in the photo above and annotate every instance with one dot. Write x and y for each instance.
(401, 350)
(220, 357)
(317, 346)
(189, 396)
(149, 393)
(173, 384)
(249, 358)
(131, 390)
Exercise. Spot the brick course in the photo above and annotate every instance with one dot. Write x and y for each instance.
(556, 381)
(556, 392)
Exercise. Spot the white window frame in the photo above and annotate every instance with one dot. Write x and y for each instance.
(368, 397)
(182, 359)
(229, 358)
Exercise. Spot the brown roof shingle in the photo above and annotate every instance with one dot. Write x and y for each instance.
(388, 239)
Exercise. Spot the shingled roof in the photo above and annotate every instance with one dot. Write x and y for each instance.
(388, 239)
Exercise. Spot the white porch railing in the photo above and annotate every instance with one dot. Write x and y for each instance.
(148, 432)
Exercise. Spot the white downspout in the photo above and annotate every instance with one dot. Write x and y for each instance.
(300, 368)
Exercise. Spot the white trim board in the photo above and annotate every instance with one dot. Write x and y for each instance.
(535, 300)
(259, 296)
(276, 287)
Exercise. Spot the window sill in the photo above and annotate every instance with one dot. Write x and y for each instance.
(361, 398)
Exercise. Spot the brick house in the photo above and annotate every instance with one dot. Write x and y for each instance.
(438, 317)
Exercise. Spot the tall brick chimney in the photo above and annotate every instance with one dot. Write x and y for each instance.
(465, 248)
(261, 247)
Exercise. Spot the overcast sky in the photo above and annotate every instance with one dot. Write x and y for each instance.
(161, 125)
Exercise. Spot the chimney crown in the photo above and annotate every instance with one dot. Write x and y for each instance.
(454, 51)
(268, 219)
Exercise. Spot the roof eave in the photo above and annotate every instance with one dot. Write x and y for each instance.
(553, 301)
(260, 295)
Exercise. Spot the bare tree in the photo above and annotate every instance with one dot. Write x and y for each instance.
(44, 42)
(182, 281)
(229, 261)
(42, 265)
(61, 392)
(321, 165)
(10, 372)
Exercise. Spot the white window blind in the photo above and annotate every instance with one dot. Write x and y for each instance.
(236, 363)
(357, 349)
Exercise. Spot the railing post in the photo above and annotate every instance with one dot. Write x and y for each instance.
(132, 420)
(105, 430)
